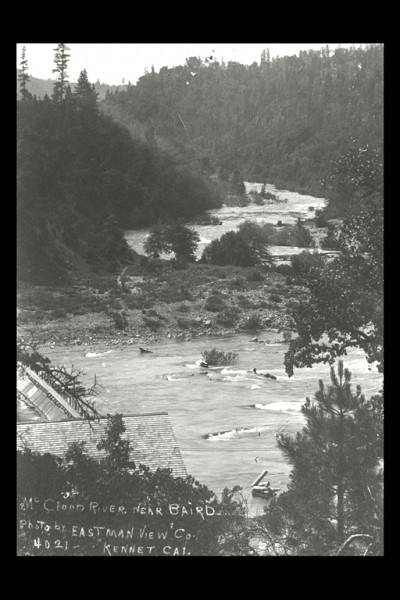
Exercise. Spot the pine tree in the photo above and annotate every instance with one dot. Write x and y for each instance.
(61, 60)
(335, 489)
(85, 93)
(23, 76)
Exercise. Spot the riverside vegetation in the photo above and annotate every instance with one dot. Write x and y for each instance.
(82, 177)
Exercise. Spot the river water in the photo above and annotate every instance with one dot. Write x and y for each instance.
(226, 420)
(297, 205)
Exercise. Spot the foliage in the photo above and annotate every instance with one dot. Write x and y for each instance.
(151, 323)
(246, 247)
(280, 121)
(356, 177)
(286, 235)
(320, 219)
(120, 319)
(81, 178)
(66, 381)
(186, 323)
(255, 237)
(214, 303)
(255, 275)
(237, 283)
(23, 76)
(335, 487)
(330, 242)
(61, 59)
(185, 308)
(228, 317)
(172, 238)
(304, 263)
(346, 306)
(114, 479)
(252, 323)
(230, 249)
(216, 358)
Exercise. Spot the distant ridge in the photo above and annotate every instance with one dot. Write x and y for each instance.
(41, 87)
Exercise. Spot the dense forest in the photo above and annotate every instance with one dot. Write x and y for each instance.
(178, 143)
(82, 179)
(40, 87)
(283, 120)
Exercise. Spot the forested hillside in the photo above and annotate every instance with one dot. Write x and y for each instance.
(82, 180)
(40, 87)
(283, 120)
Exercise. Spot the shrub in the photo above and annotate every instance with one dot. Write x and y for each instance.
(36, 316)
(172, 238)
(238, 283)
(59, 313)
(184, 308)
(252, 323)
(287, 336)
(183, 323)
(283, 269)
(258, 200)
(120, 319)
(292, 303)
(305, 261)
(230, 249)
(154, 313)
(254, 275)
(138, 302)
(174, 294)
(215, 358)
(179, 264)
(154, 266)
(275, 298)
(153, 324)
(330, 242)
(244, 301)
(218, 272)
(214, 303)
(228, 317)
(246, 247)
(320, 219)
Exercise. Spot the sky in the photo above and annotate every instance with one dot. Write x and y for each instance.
(111, 63)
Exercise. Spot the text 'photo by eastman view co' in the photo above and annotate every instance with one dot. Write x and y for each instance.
(200, 300)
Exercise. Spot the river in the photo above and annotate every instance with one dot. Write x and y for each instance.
(297, 206)
(225, 421)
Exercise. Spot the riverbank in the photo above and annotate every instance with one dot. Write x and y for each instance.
(156, 302)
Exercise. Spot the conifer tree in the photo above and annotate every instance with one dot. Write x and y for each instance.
(23, 76)
(85, 94)
(336, 485)
(61, 60)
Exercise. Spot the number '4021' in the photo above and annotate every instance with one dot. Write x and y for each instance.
(58, 544)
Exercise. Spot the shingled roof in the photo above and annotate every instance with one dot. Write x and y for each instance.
(39, 396)
(151, 437)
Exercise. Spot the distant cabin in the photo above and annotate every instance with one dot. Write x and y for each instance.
(151, 436)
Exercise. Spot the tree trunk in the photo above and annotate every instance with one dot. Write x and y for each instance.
(340, 512)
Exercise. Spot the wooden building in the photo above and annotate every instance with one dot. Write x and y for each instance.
(151, 436)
